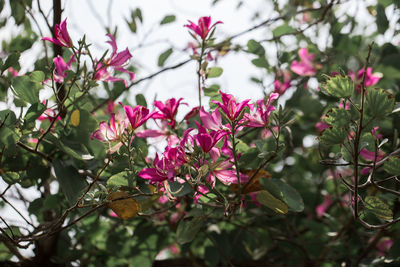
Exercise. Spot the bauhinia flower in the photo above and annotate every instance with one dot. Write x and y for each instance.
(207, 140)
(61, 34)
(202, 28)
(137, 115)
(370, 78)
(230, 107)
(168, 110)
(61, 68)
(281, 87)
(306, 66)
(260, 117)
(167, 167)
(111, 133)
(116, 62)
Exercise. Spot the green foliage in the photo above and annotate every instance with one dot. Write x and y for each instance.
(379, 103)
(339, 86)
(214, 72)
(164, 56)
(378, 207)
(333, 136)
(168, 19)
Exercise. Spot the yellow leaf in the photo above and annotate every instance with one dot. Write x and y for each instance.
(75, 117)
(124, 208)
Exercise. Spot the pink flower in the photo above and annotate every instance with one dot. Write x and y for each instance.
(48, 114)
(61, 34)
(167, 167)
(384, 246)
(321, 208)
(191, 114)
(12, 71)
(137, 115)
(110, 133)
(261, 115)
(374, 133)
(61, 68)
(321, 126)
(168, 110)
(207, 140)
(213, 121)
(370, 155)
(281, 87)
(116, 62)
(203, 27)
(230, 107)
(370, 79)
(305, 67)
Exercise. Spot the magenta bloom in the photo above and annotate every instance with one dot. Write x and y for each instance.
(230, 107)
(207, 140)
(282, 86)
(260, 117)
(305, 67)
(167, 167)
(168, 110)
(370, 78)
(137, 115)
(61, 68)
(116, 62)
(321, 208)
(61, 34)
(211, 122)
(111, 133)
(203, 28)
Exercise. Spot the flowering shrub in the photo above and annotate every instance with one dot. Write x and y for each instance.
(304, 174)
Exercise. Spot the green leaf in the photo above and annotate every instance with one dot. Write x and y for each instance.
(168, 19)
(38, 78)
(179, 190)
(339, 86)
(378, 103)
(282, 30)
(211, 91)
(71, 183)
(338, 117)
(214, 72)
(392, 166)
(378, 207)
(260, 62)
(188, 229)
(8, 137)
(255, 47)
(381, 19)
(119, 180)
(34, 112)
(268, 200)
(11, 61)
(17, 11)
(141, 100)
(164, 56)
(286, 193)
(10, 177)
(8, 117)
(333, 136)
(27, 87)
